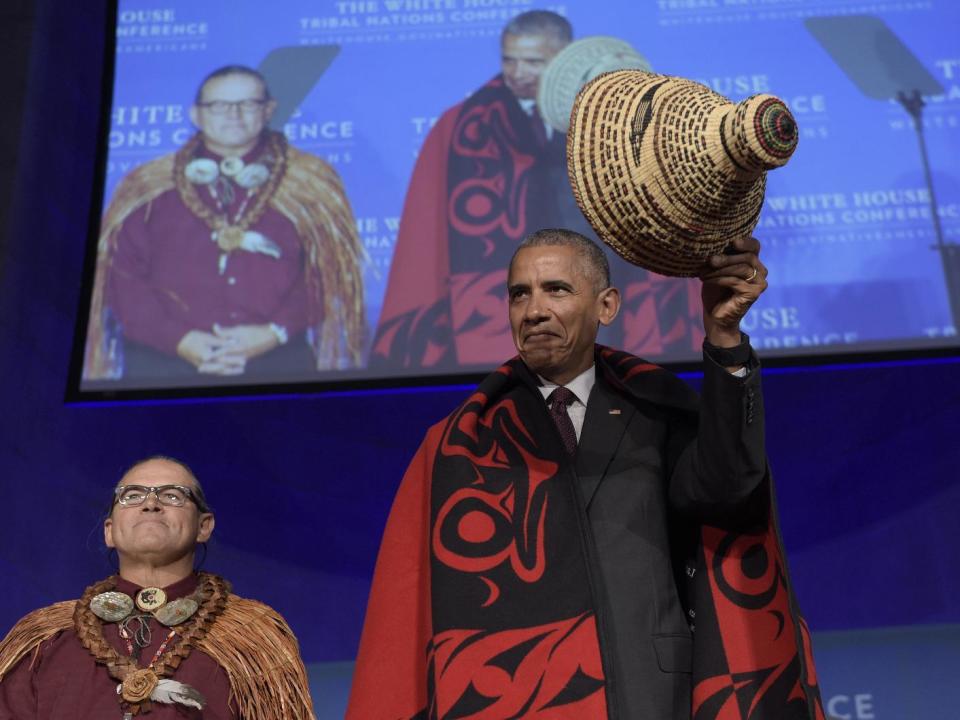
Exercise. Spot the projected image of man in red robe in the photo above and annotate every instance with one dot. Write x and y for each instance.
(488, 174)
(236, 255)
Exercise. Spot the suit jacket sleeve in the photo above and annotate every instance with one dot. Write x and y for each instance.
(718, 468)
(148, 314)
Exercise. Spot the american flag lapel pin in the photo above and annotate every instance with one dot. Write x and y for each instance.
(614, 411)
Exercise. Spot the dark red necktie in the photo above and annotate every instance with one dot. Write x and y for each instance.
(559, 400)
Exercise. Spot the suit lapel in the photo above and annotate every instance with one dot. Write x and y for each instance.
(608, 415)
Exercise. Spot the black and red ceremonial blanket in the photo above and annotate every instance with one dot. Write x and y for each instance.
(488, 511)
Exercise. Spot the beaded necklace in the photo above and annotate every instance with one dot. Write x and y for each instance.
(229, 234)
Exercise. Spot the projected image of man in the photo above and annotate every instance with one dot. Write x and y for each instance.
(489, 173)
(235, 256)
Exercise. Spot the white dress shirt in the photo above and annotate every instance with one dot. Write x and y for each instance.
(580, 386)
(529, 106)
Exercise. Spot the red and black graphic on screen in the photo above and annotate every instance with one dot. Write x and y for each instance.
(504, 181)
(484, 179)
(514, 632)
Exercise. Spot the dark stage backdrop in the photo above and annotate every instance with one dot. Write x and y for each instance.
(866, 458)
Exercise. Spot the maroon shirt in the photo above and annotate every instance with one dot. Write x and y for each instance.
(65, 682)
(165, 280)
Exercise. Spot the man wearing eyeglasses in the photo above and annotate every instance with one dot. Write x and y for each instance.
(158, 639)
(237, 255)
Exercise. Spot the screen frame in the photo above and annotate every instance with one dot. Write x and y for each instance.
(347, 381)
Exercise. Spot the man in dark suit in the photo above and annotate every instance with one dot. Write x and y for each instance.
(584, 537)
(635, 463)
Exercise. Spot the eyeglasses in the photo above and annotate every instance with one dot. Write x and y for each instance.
(172, 495)
(222, 107)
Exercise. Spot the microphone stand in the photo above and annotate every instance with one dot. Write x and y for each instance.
(949, 252)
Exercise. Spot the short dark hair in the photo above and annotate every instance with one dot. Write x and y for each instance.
(227, 70)
(198, 495)
(540, 22)
(597, 264)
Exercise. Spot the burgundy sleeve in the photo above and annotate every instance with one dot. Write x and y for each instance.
(148, 314)
(216, 689)
(18, 692)
(291, 314)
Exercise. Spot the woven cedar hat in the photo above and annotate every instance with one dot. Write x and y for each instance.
(667, 171)
(578, 63)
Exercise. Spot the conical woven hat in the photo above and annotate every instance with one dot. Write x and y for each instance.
(577, 64)
(667, 171)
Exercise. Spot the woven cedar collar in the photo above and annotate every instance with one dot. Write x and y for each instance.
(212, 592)
(276, 152)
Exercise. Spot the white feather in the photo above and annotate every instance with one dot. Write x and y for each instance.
(257, 242)
(170, 691)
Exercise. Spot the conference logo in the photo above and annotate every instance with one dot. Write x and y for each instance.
(161, 30)
(808, 105)
(333, 139)
(726, 12)
(419, 126)
(378, 233)
(862, 232)
(788, 217)
(785, 327)
(388, 21)
(857, 706)
(847, 216)
(141, 132)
